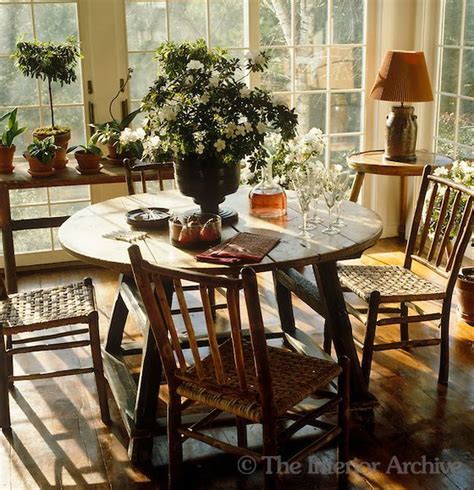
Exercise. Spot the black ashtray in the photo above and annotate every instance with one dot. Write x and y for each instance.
(148, 218)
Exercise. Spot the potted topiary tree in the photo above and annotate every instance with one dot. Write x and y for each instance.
(50, 62)
(7, 148)
(40, 156)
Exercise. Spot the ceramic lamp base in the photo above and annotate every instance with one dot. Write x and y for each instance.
(401, 132)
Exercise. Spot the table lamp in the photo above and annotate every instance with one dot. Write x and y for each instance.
(403, 77)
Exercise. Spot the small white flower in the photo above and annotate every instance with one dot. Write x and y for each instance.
(194, 65)
(244, 92)
(240, 130)
(204, 99)
(200, 148)
(140, 133)
(248, 127)
(261, 127)
(214, 79)
(255, 57)
(167, 113)
(230, 129)
(219, 145)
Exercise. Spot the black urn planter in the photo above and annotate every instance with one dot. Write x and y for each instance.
(208, 182)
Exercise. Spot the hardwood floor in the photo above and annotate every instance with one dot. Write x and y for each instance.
(58, 439)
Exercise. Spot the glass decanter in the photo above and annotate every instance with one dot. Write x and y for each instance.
(267, 199)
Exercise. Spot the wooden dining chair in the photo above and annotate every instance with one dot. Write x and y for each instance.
(162, 170)
(38, 311)
(256, 383)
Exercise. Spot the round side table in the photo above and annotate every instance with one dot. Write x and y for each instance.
(373, 162)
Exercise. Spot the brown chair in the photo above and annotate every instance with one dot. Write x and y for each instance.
(38, 311)
(256, 383)
(438, 239)
(160, 171)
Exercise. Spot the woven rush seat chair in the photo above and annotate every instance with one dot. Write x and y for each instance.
(245, 377)
(38, 311)
(160, 171)
(440, 232)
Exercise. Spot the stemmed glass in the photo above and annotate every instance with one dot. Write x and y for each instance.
(342, 184)
(302, 185)
(329, 193)
(317, 176)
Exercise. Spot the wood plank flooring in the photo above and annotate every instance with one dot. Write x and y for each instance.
(58, 440)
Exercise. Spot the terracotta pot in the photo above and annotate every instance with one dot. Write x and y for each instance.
(465, 294)
(6, 159)
(87, 161)
(36, 167)
(61, 140)
(208, 182)
(113, 155)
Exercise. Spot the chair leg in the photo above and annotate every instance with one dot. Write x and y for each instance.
(175, 443)
(443, 374)
(98, 367)
(241, 432)
(343, 415)
(270, 450)
(327, 338)
(404, 334)
(9, 360)
(5, 422)
(369, 340)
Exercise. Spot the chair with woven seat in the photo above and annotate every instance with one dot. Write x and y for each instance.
(440, 232)
(41, 310)
(160, 171)
(256, 383)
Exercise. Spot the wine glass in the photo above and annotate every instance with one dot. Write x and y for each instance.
(329, 193)
(304, 192)
(342, 184)
(316, 178)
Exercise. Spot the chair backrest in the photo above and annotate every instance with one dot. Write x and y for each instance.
(161, 171)
(442, 226)
(157, 285)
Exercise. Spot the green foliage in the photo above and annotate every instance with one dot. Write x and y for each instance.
(89, 148)
(11, 129)
(50, 62)
(43, 150)
(201, 109)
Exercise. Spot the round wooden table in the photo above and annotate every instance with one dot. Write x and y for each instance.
(374, 162)
(82, 236)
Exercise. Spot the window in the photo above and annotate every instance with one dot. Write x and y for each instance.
(455, 131)
(44, 21)
(317, 50)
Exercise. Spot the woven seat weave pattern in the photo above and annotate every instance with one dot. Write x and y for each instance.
(394, 283)
(67, 303)
(294, 378)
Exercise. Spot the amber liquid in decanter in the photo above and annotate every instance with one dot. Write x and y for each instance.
(267, 199)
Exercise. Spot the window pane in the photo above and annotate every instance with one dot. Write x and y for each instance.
(342, 147)
(226, 21)
(15, 21)
(187, 19)
(69, 193)
(29, 196)
(346, 68)
(310, 22)
(452, 21)
(15, 88)
(146, 25)
(345, 113)
(466, 152)
(348, 21)
(56, 22)
(311, 64)
(72, 117)
(67, 94)
(30, 212)
(284, 98)
(447, 148)
(278, 75)
(466, 122)
(29, 118)
(311, 109)
(450, 70)
(32, 240)
(67, 209)
(275, 23)
(467, 87)
(144, 72)
(447, 117)
(469, 27)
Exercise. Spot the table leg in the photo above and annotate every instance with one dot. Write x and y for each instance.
(403, 207)
(356, 186)
(118, 319)
(7, 240)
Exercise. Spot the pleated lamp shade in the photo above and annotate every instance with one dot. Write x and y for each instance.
(403, 77)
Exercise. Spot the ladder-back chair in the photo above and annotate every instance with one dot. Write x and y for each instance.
(256, 383)
(440, 232)
(161, 170)
(40, 310)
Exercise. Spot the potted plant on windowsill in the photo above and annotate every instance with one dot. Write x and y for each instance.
(209, 120)
(50, 62)
(108, 133)
(7, 148)
(40, 156)
(88, 158)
